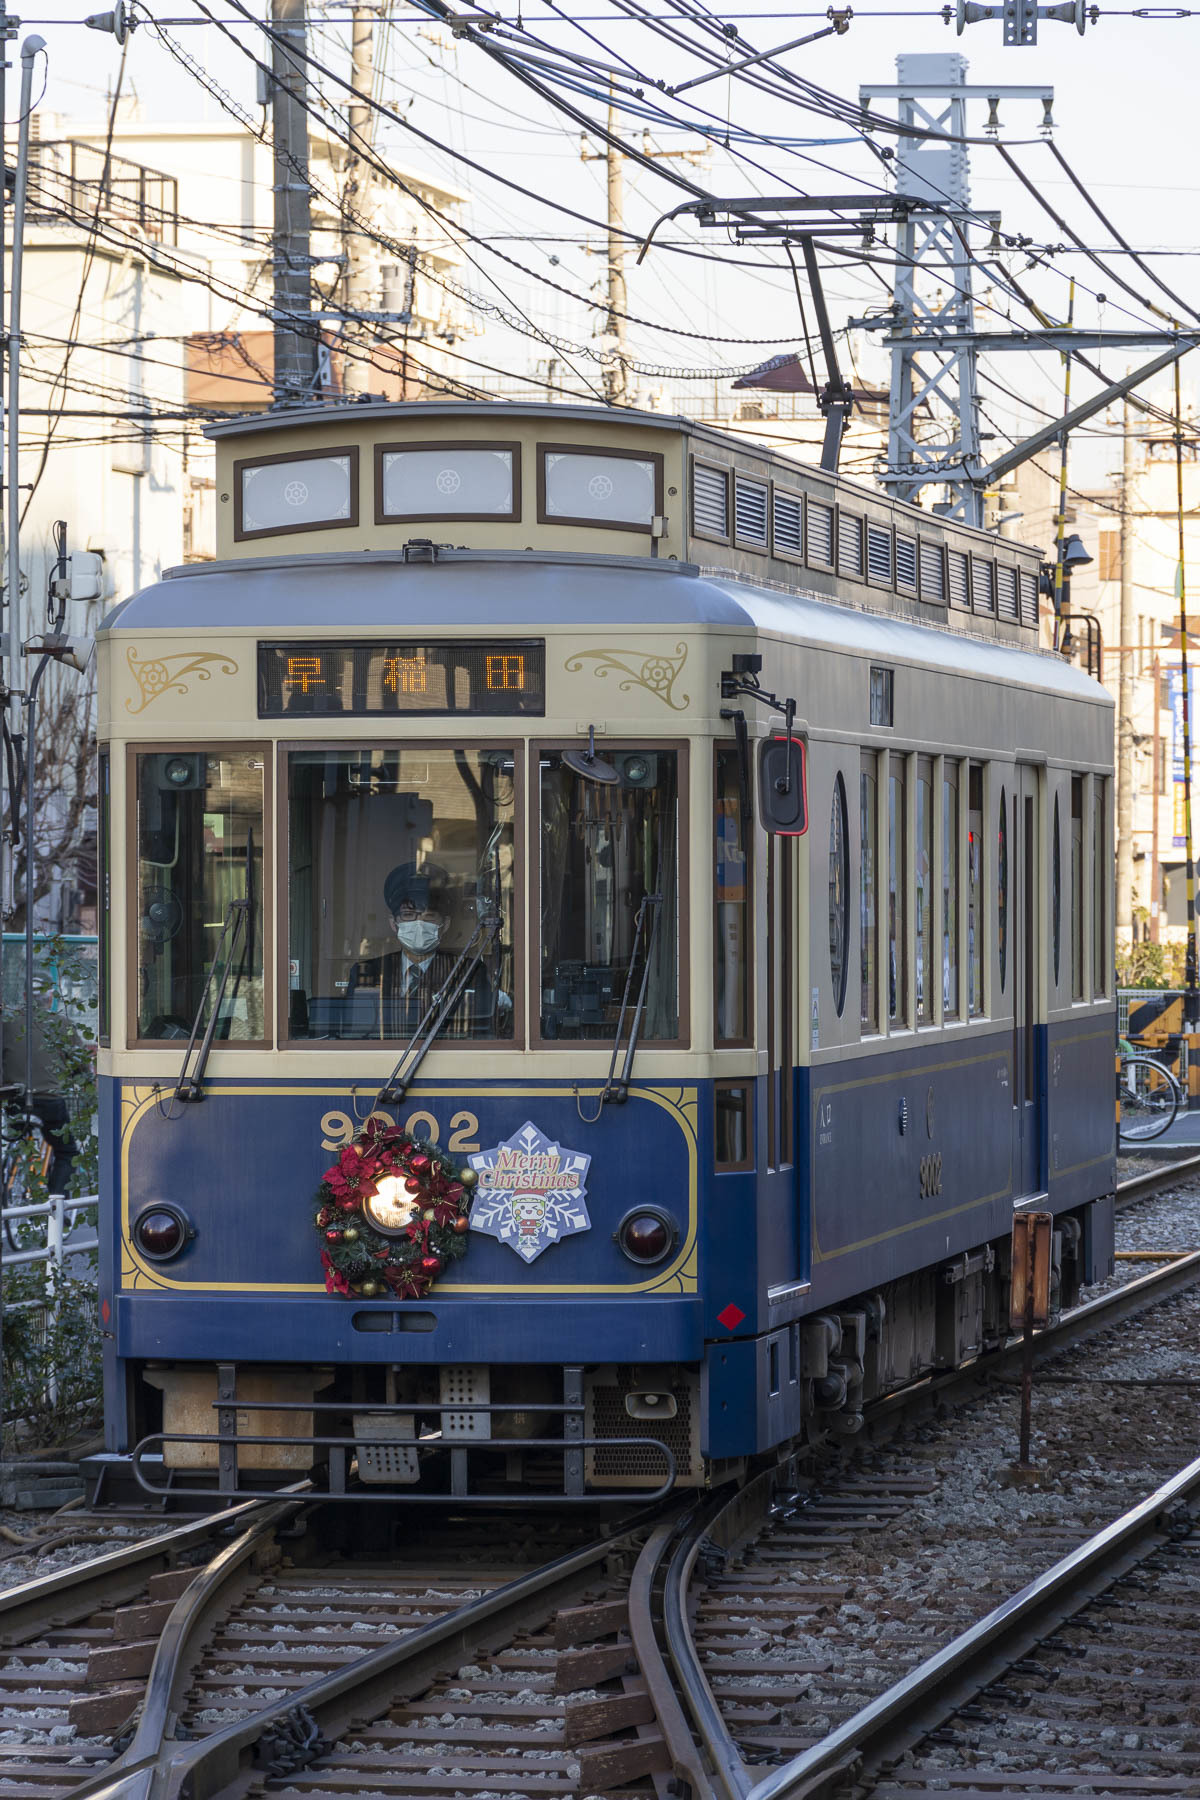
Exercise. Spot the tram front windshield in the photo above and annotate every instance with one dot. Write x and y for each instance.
(397, 859)
(605, 847)
(200, 850)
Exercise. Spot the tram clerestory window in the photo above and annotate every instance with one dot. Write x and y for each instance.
(605, 846)
(398, 858)
(200, 849)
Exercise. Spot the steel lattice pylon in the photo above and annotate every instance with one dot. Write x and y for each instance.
(932, 297)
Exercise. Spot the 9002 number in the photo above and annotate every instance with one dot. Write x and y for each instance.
(339, 1129)
(931, 1175)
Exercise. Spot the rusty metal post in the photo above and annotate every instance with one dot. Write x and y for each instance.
(1029, 1305)
(1027, 1360)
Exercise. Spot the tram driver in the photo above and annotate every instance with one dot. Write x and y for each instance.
(419, 905)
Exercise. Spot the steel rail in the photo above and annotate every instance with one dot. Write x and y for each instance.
(216, 1587)
(67, 1595)
(671, 1715)
(1108, 1309)
(703, 1750)
(720, 1528)
(703, 1753)
(1140, 1187)
(324, 1709)
(900, 1716)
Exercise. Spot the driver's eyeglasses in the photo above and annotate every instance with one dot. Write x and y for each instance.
(406, 910)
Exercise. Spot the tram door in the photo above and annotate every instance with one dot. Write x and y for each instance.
(782, 1251)
(1022, 829)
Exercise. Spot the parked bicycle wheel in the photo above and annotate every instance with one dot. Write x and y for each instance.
(1148, 1097)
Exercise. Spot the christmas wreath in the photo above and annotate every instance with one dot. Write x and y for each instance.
(390, 1214)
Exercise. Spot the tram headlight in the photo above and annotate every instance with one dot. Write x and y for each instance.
(391, 1208)
(647, 1234)
(161, 1231)
(179, 771)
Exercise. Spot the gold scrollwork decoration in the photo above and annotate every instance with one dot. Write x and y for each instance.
(656, 672)
(161, 674)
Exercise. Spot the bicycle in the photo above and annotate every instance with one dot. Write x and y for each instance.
(1148, 1096)
(14, 1171)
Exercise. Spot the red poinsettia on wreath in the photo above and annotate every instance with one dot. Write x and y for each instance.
(390, 1214)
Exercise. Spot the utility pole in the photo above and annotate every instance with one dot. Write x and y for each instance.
(616, 379)
(356, 195)
(1155, 867)
(1125, 688)
(295, 379)
(8, 29)
(616, 372)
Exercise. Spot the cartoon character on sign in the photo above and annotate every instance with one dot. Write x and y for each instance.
(531, 1192)
(529, 1211)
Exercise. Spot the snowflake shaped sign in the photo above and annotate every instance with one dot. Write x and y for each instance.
(530, 1193)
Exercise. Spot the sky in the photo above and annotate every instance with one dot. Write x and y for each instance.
(1125, 119)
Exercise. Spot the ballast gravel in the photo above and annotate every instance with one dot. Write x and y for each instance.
(26, 1564)
(914, 1581)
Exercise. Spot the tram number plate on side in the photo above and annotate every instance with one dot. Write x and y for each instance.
(339, 1129)
(931, 1175)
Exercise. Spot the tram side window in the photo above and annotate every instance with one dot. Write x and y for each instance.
(605, 846)
(1002, 890)
(839, 895)
(1056, 893)
(1100, 878)
(399, 858)
(897, 892)
(731, 905)
(200, 850)
(868, 879)
(950, 857)
(924, 874)
(975, 891)
(1077, 887)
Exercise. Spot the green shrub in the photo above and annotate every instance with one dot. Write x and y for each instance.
(52, 1344)
(1149, 965)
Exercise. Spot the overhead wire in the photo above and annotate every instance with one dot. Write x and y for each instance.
(455, 227)
(77, 312)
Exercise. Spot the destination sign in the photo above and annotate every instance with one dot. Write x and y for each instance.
(461, 679)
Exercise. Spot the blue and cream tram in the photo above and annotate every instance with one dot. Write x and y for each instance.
(685, 860)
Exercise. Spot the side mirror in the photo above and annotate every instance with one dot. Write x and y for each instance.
(783, 787)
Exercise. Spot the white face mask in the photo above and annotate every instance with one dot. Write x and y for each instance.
(419, 936)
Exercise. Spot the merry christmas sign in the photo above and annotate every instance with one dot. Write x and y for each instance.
(530, 1192)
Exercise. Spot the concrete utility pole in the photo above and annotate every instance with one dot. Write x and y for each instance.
(616, 379)
(1155, 866)
(356, 198)
(1124, 920)
(295, 342)
(616, 372)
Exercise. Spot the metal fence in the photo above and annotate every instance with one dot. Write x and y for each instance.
(65, 1239)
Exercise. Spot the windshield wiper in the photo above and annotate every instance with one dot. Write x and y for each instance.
(191, 1087)
(239, 923)
(440, 1008)
(644, 937)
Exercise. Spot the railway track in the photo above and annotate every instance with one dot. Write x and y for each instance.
(1063, 1688)
(216, 1658)
(1152, 1181)
(143, 1677)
